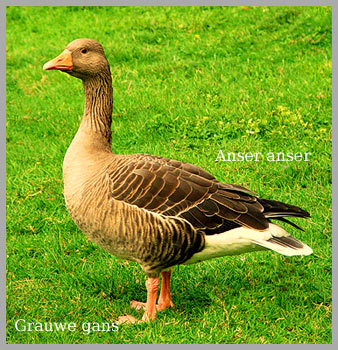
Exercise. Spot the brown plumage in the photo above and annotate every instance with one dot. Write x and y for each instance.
(156, 211)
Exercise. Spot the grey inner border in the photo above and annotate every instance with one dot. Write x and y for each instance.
(5, 3)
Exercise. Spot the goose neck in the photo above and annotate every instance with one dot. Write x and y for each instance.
(98, 106)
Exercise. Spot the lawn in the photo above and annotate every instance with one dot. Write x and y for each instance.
(188, 82)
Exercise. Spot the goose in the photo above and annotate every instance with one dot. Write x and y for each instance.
(156, 211)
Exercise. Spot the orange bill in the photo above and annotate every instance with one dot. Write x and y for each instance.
(62, 62)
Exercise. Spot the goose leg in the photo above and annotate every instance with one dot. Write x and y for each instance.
(150, 306)
(152, 288)
(164, 300)
(152, 284)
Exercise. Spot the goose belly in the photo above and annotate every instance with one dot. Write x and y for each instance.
(96, 215)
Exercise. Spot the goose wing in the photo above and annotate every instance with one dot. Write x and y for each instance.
(174, 188)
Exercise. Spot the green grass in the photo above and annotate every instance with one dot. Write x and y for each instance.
(187, 82)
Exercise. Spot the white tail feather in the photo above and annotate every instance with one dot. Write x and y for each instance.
(243, 239)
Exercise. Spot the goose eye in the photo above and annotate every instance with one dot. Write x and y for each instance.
(84, 50)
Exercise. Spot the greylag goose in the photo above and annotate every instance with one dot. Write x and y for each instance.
(156, 211)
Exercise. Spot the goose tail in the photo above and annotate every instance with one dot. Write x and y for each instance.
(279, 240)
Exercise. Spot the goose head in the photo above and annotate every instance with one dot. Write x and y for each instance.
(82, 58)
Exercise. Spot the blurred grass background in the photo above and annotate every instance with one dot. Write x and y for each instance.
(188, 81)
